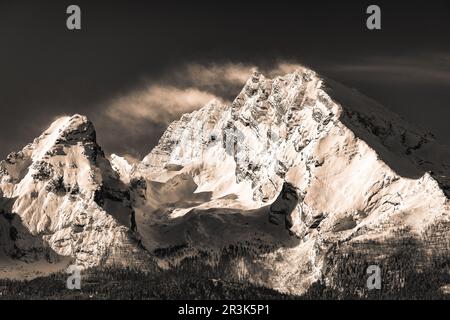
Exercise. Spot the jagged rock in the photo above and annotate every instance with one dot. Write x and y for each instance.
(284, 205)
(44, 171)
(56, 185)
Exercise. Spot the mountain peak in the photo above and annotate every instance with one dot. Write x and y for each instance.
(72, 129)
(62, 188)
(63, 132)
(327, 161)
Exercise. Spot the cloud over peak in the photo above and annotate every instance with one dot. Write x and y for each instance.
(156, 103)
(138, 117)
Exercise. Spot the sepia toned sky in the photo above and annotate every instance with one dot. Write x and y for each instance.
(137, 65)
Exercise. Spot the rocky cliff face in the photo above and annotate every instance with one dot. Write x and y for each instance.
(297, 173)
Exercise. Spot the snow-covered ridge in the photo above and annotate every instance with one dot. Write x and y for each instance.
(294, 152)
(359, 171)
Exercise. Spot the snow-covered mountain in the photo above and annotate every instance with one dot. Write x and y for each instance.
(297, 172)
(61, 197)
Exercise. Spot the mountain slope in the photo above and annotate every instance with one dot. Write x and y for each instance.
(287, 153)
(66, 194)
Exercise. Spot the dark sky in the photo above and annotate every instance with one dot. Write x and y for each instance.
(144, 48)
